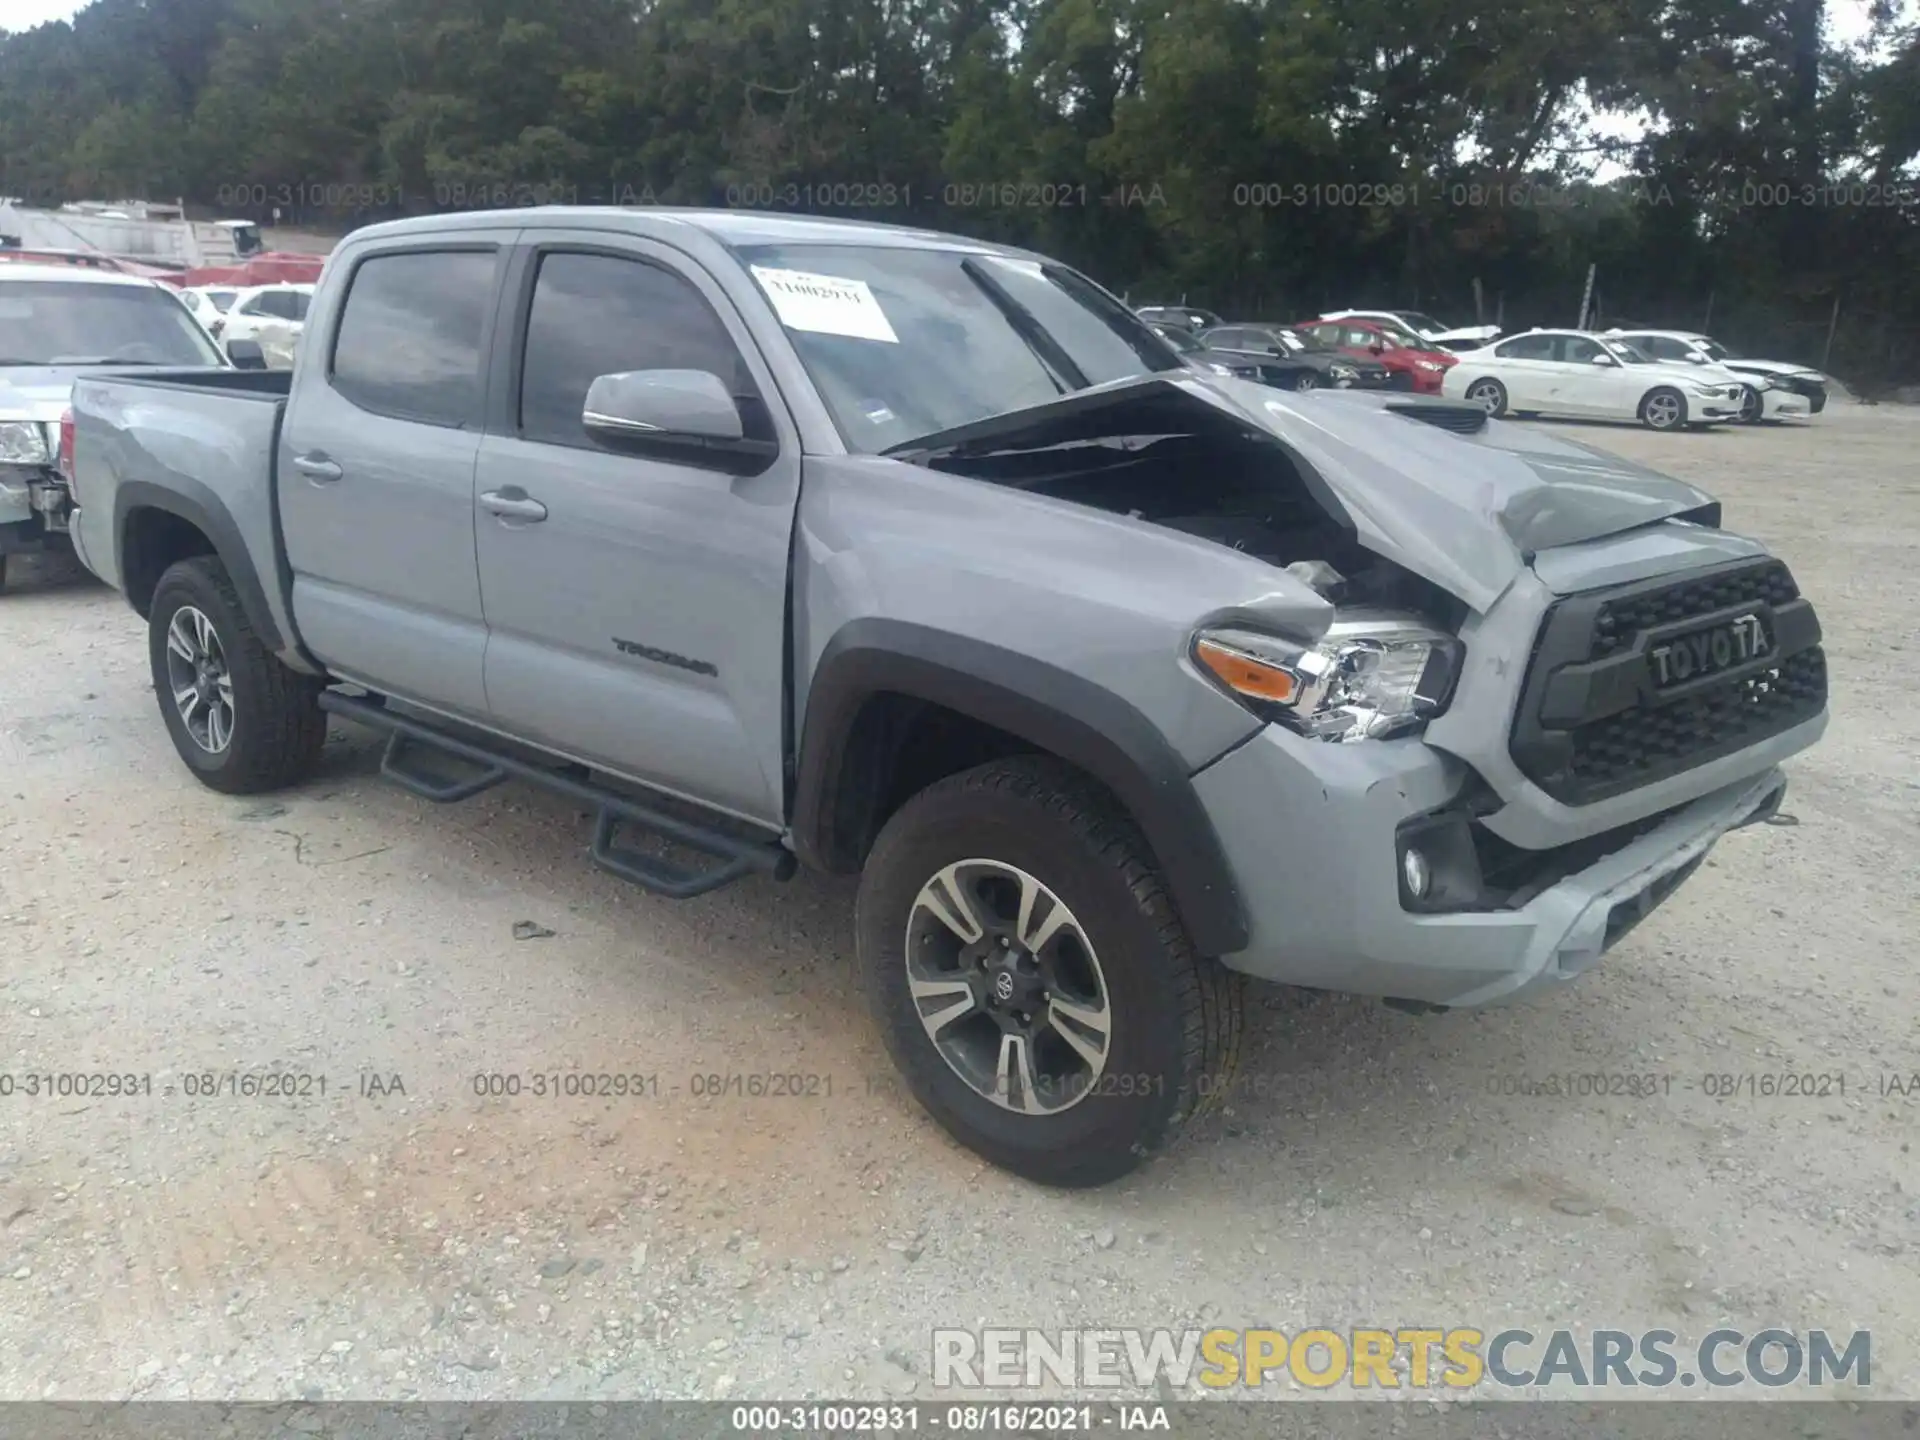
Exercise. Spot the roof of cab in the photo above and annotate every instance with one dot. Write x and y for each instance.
(729, 227)
(72, 275)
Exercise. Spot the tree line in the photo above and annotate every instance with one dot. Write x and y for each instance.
(1264, 158)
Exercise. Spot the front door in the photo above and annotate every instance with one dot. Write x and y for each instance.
(375, 471)
(636, 606)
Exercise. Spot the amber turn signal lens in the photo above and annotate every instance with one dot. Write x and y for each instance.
(1245, 675)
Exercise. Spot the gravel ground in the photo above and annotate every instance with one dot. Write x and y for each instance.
(400, 1236)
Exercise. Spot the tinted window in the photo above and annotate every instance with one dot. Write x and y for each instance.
(1227, 339)
(1577, 351)
(409, 338)
(1526, 347)
(597, 315)
(1660, 347)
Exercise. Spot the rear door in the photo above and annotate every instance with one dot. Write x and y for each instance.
(639, 623)
(1525, 367)
(376, 468)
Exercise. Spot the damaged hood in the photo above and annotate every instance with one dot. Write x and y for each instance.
(1466, 511)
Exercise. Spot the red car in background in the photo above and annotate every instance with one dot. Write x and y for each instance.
(1414, 367)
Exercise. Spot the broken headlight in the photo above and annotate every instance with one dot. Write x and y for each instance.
(1373, 674)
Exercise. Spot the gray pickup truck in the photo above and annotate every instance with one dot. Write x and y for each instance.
(782, 541)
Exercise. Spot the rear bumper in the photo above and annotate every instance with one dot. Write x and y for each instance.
(1314, 834)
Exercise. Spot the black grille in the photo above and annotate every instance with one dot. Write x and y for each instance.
(1594, 723)
(1642, 745)
(1620, 620)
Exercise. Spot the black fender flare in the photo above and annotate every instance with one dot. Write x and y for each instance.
(1050, 708)
(194, 503)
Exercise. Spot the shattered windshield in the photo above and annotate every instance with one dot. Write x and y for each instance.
(904, 342)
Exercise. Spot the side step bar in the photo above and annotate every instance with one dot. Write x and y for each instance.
(410, 742)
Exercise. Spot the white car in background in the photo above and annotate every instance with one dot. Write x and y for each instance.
(1427, 328)
(1577, 373)
(210, 303)
(273, 317)
(1776, 389)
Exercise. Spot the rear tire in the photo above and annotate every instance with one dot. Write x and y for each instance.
(1017, 838)
(200, 643)
(1490, 395)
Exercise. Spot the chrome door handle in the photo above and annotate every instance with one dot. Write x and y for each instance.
(317, 467)
(515, 506)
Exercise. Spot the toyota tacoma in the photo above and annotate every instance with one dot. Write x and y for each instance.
(777, 541)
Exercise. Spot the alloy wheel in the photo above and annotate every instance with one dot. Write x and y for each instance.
(1008, 987)
(1663, 411)
(198, 676)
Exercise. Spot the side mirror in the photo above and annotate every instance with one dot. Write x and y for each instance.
(246, 355)
(1696, 357)
(1603, 359)
(684, 414)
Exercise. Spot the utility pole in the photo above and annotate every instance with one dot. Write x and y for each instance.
(1586, 299)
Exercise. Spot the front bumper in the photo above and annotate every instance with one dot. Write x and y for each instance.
(1313, 831)
(1779, 404)
(33, 505)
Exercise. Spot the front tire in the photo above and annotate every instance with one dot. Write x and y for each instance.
(1752, 408)
(1031, 980)
(241, 720)
(1664, 409)
(1306, 380)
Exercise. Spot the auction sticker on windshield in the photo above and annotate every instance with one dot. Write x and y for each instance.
(825, 304)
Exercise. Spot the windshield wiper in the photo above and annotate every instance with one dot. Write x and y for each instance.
(1065, 375)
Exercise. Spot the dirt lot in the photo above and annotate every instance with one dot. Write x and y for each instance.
(398, 1235)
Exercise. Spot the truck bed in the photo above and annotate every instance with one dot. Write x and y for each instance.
(199, 443)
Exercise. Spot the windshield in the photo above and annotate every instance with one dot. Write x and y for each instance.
(1627, 351)
(50, 322)
(1178, 339)
(220, 299)
(1415, 320)
(1297, 342)
(1714, 350)
(902, 343)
